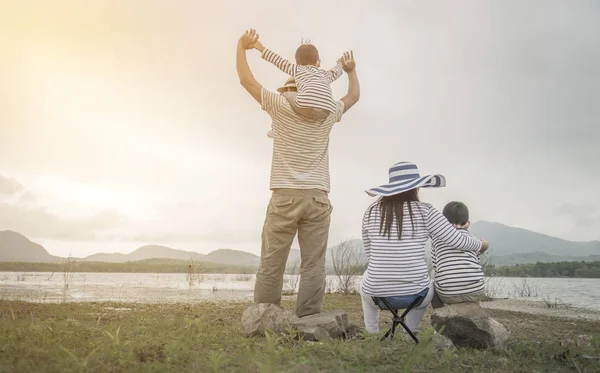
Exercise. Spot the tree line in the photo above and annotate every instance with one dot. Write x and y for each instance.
(145, 266)
(539, 269)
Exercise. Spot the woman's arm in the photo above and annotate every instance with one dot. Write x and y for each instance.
(440, 229)
(366, 239)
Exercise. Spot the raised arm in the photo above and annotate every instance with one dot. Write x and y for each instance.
(280, 62)
(247, 80)
(353, 95)
(335, 72)
(440, 229)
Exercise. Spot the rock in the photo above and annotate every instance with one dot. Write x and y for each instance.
(313, 334)
(261, 317)
(334, 323)
(441, 342)
(468, 325)
(353, 331)
(583, 340)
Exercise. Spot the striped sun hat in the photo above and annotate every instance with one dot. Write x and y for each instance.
(405, 176)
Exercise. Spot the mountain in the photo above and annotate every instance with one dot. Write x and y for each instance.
(232, 257)
(508, 245)
(146, 252)
(221, 256)
(505, 240)
(14, 247)
(356, 247)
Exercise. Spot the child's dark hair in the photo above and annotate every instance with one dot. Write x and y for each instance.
(307, 54)
(456, 213)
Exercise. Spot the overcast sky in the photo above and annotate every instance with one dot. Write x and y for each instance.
(123, 122)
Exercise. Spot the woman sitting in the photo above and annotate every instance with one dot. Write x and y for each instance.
(395, 229)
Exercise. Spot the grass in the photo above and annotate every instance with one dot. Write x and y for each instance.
(206, 337)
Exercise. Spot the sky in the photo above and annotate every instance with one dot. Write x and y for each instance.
(123, 123)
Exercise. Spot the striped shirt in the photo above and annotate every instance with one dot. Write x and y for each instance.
(457, 269)
(312, 83)
(398, 267)
(300, 146)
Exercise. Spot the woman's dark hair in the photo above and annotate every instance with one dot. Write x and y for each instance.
(393, 206)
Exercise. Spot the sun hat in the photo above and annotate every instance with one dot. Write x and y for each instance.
(404, 176)
(289, 83)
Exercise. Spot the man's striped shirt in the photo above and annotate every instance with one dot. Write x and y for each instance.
(313, 84)
(300, 146)
(398, 267)
(457, 270)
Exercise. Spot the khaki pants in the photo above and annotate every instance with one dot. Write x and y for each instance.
(308, 212)
(439, 300)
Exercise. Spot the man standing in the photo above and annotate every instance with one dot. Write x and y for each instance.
(300, 188)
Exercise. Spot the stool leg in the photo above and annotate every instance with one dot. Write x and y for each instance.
(409, 332)
(386, 334)
(394, 324)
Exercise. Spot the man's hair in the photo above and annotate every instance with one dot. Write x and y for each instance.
(456, 213)
(307, 54)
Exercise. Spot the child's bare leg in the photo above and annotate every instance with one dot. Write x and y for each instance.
(310, 113)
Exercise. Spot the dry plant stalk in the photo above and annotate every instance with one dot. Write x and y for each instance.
(346, 266)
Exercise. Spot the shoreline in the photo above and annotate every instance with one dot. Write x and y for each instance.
(537, 307)
(237, 271)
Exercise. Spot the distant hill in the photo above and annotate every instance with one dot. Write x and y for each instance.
(221, 256)
(509, 245)
(232, 257)
(14, 247)
(505, 240)
(146, 252)
(355, 244)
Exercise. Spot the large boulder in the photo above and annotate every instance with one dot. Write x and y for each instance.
(441, 342)
(469, 325)
(260, 317)
(326, 325)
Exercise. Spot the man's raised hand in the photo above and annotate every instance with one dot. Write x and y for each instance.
(249, 39)
(347, 62)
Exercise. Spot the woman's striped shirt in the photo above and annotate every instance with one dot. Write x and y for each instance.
(398, 267)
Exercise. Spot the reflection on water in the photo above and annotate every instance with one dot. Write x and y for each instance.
(177, 287)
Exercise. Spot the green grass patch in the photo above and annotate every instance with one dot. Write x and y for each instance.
(207, 337)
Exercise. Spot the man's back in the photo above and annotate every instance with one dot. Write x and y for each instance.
(300, 147)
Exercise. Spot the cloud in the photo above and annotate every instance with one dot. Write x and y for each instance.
(583, 214)
(10, 187)
(40, 223)
(20, 212)
(179, 222)
(12, 191)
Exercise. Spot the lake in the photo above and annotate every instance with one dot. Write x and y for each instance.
(179, 287)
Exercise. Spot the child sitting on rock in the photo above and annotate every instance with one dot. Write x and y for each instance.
(458, 274)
